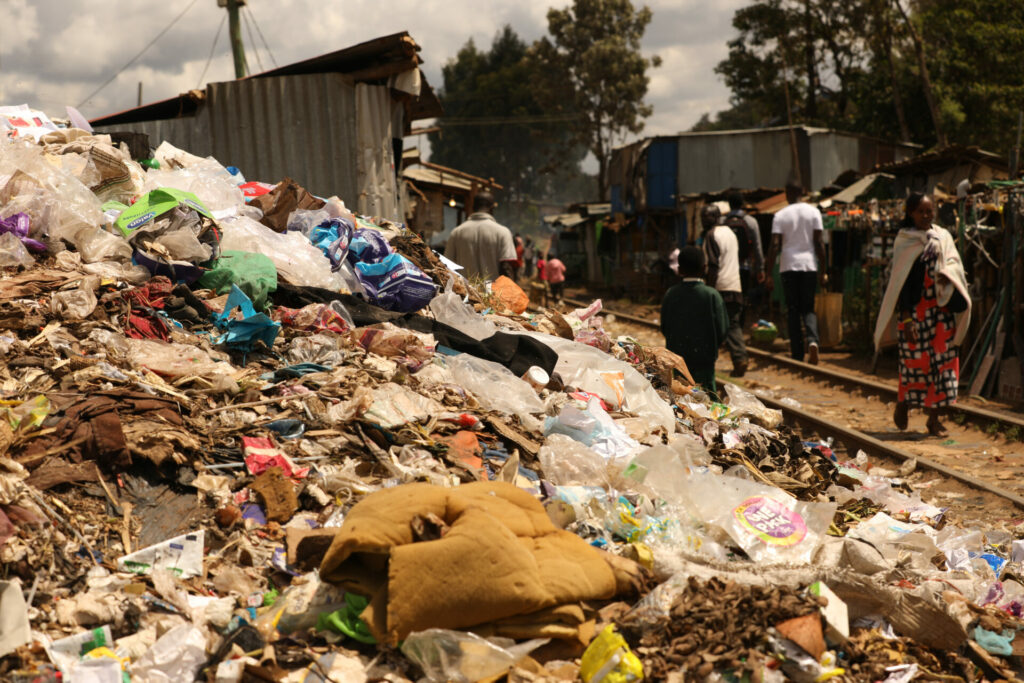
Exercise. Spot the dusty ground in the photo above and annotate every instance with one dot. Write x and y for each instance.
(971, 450)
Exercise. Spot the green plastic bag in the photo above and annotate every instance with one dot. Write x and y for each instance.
(254, 274)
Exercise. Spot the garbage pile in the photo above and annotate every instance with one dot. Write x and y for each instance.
(246, 434)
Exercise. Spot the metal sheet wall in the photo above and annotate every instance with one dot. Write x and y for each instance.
(303, 127)
(662, 169)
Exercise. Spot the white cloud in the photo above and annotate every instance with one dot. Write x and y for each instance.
(56, 52)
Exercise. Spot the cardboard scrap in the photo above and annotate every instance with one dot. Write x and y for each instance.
(278, 494)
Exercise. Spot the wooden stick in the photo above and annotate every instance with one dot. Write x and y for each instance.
(266, 401)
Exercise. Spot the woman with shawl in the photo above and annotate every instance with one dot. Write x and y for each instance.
(926, 308)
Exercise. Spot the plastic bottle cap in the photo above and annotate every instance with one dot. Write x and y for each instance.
(537, 377)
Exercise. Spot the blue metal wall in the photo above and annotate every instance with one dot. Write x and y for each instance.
(662, 173)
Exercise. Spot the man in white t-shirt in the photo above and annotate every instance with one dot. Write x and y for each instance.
(722, 253)
(797, 235)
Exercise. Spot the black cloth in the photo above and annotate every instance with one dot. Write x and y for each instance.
(516, 352)
(800, 286)
(912, 289)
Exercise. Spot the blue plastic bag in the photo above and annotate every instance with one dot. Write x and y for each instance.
(253, 326)
(333, 238)
(395, 284)
(368, 245)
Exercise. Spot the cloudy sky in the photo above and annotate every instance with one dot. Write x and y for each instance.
(59, 52)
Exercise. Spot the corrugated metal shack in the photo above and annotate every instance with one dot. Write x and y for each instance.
(658, 184)
(334, 123)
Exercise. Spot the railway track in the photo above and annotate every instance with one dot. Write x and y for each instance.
(853, 439)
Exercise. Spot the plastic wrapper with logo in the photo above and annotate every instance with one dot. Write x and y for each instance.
(462, 657)
(368, 245)
(768, 524)
(396, 284)
(18, 225)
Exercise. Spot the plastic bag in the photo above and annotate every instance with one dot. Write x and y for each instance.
(332, 237)
(743, 403)
(608, 659)
(462, 657)
(18, 225)
(76, 304)
(177, 656)
(594, 428)
(305, 220)
(254, 274)
(57, 203)
(296, 259)
(368, 245)
(448, 308)
(494, 386)
(206, 179)
(331, 317)
(567, 462)
(176, 360)
(510, 295)
(768, 524)
(13, 252)
(96, 244)
(395, 283)
(323, 349)
(613, 380)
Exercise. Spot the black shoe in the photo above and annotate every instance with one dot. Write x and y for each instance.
(738, 370)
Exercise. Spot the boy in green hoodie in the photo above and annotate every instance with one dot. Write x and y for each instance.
(694, 320)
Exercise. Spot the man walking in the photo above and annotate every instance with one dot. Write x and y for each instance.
(797, 236)
(481, 245)
(721, 251)
(748, 234)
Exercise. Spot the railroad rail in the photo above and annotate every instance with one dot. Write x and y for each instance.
(976, 415)
(853, 439)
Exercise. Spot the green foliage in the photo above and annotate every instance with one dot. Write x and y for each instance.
(852, 66)
(591, 66)
(493, 126)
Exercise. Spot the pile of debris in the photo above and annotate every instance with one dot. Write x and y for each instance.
(246, 434)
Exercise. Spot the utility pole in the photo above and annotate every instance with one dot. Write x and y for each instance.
(235, 34)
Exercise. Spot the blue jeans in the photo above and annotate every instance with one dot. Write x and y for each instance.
(799, 288)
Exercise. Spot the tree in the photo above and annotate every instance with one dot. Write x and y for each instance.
(930, 71)
(592, 67)
(494, 127)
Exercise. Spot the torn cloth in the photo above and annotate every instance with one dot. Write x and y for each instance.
(93, 425)
(500, 557)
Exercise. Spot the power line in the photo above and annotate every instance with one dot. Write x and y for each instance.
(255, 47)
(140, 53)
(512, 120)
(260, 32)
(213, 48)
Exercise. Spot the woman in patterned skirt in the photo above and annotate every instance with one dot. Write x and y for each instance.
(927, 303)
